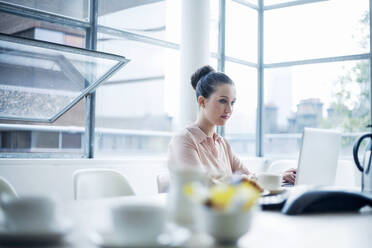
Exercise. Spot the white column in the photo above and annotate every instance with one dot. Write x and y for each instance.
(194, 54)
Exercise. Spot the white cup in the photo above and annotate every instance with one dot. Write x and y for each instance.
(29, 213)
(225, 227)
(138, 223)
(269, 181)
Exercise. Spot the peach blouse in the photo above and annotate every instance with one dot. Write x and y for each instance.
(193, 147)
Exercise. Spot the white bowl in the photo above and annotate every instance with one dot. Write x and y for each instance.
(225, 227)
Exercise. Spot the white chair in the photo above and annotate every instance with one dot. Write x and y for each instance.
(100, 183)
(7, 188)
(279, 166)
(163, 182)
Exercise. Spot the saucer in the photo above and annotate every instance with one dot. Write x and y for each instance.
(173, 236)
(36, 236)
(111, 240)
(273, 191)
(277, 191)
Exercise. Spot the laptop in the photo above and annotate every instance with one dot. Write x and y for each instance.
(317, 163)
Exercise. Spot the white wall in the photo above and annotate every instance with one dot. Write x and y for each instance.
(54, 176)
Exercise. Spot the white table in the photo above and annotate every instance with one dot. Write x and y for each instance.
(269, 229)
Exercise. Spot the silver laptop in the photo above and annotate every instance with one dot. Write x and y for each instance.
(317, 163)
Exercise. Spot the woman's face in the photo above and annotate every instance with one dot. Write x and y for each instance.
(218, 107)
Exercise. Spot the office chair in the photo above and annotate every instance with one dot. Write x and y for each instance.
(162, 181)
(7, 188)
(100, 183)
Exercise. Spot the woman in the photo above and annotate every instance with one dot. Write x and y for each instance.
(198, 144)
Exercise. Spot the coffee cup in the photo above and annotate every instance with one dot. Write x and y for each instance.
(269, 181)
(138, 223)
(29, 213)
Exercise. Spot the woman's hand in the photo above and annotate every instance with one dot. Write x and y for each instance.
(290, 176)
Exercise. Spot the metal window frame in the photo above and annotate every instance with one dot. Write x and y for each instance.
(221, 56)
(92, 29)
(260, 80)
(90, 104)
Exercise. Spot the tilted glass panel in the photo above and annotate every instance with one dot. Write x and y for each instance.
(40, 80)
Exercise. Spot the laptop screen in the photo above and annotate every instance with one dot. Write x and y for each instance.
(317, 163)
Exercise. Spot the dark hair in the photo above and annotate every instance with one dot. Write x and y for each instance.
(205, 81)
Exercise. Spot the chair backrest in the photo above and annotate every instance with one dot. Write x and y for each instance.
(279, 166)
(163, 182)
(100, 183)
(7, 188)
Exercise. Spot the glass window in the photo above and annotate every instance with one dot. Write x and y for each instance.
(39, 30)
(39, 81)
(130, 118)
(340, 28)
(26, 90)
(255, 2)
(156, 19)
(241, 128)
(241, 31)
(78, 9)
(143, 17)
(214, 25)
(271, 2)
(331, 95)
(21, 137)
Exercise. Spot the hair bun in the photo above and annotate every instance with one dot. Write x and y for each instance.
(201, 72)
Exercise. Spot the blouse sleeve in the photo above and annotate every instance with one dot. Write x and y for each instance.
(236, 165)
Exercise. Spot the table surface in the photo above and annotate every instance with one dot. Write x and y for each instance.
(268, 229)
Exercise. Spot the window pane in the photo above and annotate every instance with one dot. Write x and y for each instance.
(241, 128)
(21, 137)
(340, 28)
(157, 19)
(332, 95)
(71, 8)
(241, 31)
(270, 2)
(252, 1)
(144, 17)
(38, 82)
(135, 106)
(39, 30)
